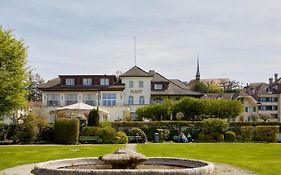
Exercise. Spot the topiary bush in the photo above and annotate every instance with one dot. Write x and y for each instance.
(214, 126)
(163, 134)
(247, 132)
(266, 133)
(230, 136)
(66, 131)
(137, 132)
(121, 138)
(107, 134)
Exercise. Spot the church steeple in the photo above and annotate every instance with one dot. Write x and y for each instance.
(198, 70)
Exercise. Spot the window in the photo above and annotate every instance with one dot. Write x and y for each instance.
(131, 100)
(109, 99)
(53, 99)
(71, 99)
(69, 81)
(89, 99)
(140, 84)
(104, 81)
(158, 86)
(254, 109)
(141, 100)
(87, 81)
(131, 84)
(246, 109)
(158, 100)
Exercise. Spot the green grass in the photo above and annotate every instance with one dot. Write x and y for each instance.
(18, 155)
(263, 159)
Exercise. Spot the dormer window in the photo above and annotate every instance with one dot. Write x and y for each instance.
(87, 81)
(158, 86)
(69, 82)
(104, 81)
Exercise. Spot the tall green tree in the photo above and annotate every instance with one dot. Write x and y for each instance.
(13, 72)
(93, 119)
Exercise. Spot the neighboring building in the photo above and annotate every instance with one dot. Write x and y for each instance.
(262, 99)
(121, 97)
(224, 96)
(95, 90)
(137, 92)
(142, 88)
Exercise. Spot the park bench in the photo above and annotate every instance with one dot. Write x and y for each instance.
(90, 139)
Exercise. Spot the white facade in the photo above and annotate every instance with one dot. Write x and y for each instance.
(137, 90)
(111, 101)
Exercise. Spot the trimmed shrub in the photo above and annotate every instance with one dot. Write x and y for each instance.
(107, 134)
(121, 138)
(215, 126)
(46, 134)
(247, 132)
(163, 134)
(137, 132)
(149, 132)
(230, 136)
(266, 133)
(90, 131)
(219, 138)
(66, 131)
(27, 133)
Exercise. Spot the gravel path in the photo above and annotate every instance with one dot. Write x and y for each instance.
(221, 169)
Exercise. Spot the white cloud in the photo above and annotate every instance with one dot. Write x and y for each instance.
(236, 39)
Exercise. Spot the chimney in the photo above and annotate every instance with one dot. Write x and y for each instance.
(151, 72)
(275, 76)
(270, 80)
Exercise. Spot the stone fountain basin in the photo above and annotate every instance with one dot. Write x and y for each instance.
(153, 166)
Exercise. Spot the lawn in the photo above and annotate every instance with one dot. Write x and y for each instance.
(18, 155)
(264, 159)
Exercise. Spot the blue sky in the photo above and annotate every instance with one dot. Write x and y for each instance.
(235, 39)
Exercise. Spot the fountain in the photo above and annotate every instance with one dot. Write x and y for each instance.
(124, 162)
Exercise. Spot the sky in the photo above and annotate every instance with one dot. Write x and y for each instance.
(236, 39)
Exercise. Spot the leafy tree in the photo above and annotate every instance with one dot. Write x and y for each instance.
(93, 119)
(34, 93)
(155, 112)
(13, 73)
(214, 88)
(206, 88)
(231, 86)
(200, 87)
(265, 117)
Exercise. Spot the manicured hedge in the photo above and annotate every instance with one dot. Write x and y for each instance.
(266, 133)
(244, 131)
(66, 131)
